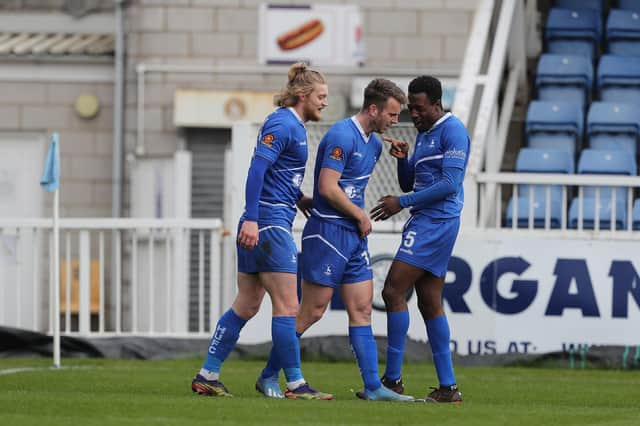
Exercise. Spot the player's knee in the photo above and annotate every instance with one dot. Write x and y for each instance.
(361, 312)
(316, 313)
(392, 297)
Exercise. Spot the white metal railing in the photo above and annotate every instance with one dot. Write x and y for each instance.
(145, 291)
(478, 100)
(567, 184)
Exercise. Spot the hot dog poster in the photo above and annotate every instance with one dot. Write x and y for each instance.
(318, 34)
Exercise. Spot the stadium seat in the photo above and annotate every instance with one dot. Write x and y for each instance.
(629, 4)
(636, 214)
(532, 160)
(539, 209)
(596, 161)
(613, 126)
(554, 125)
(618, 79)
(565, 78)
(573, 31)
(623, 32)
(580, 4)
(599, 161)
(605, 214)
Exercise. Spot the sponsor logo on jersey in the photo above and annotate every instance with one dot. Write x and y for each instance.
(336, 154)
(268, 140)
(458, 154)
(351, 191)
(297, 180)
(358, 154)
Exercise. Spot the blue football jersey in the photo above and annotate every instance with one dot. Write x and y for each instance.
(346, 149)
(446, 144)
(282, 141)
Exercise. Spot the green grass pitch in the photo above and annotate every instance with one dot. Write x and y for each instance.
(117, 392)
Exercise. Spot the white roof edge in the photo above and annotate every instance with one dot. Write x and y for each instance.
(100, 23)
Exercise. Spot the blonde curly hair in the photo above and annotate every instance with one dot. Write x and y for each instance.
(301, 79)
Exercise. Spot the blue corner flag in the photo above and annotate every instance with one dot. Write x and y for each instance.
(51, 177)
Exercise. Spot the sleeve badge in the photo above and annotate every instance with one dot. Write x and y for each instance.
(336, 153)
(268, 140)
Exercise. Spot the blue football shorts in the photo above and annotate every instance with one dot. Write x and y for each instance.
(428, 243)
(276, 251)
(333, 255)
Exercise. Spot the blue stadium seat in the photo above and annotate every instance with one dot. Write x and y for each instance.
(567, 78)
(573, 31)
(596, 161)
(605, 214)
(539, 210)
(623, 32)
(599, 161)
(554, 125)
(629, 4)
(613, 126)
(533, 160)
(618, 79)
(578, 4)
(636, 214)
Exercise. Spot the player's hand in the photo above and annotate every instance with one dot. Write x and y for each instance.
(248, 235)
(399, 149)
(387, 207)
(364, 225)
(305, 204)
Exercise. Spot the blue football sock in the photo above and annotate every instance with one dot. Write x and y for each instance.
(439, 336)
(397, 327)
(286, 347)
(364, 346)
(273, 365)
(223, 340)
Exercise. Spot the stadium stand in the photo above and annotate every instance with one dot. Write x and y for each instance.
(607, 143)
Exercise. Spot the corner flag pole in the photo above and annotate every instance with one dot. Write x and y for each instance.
(56, 279)
(51, 183)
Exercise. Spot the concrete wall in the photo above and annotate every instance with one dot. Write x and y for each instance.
(86, 145)
(417, 34)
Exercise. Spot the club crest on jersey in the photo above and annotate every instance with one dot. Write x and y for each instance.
(268, 140)
(297, 180)
(336, 154)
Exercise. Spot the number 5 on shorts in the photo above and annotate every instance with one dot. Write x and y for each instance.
(409, 239)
